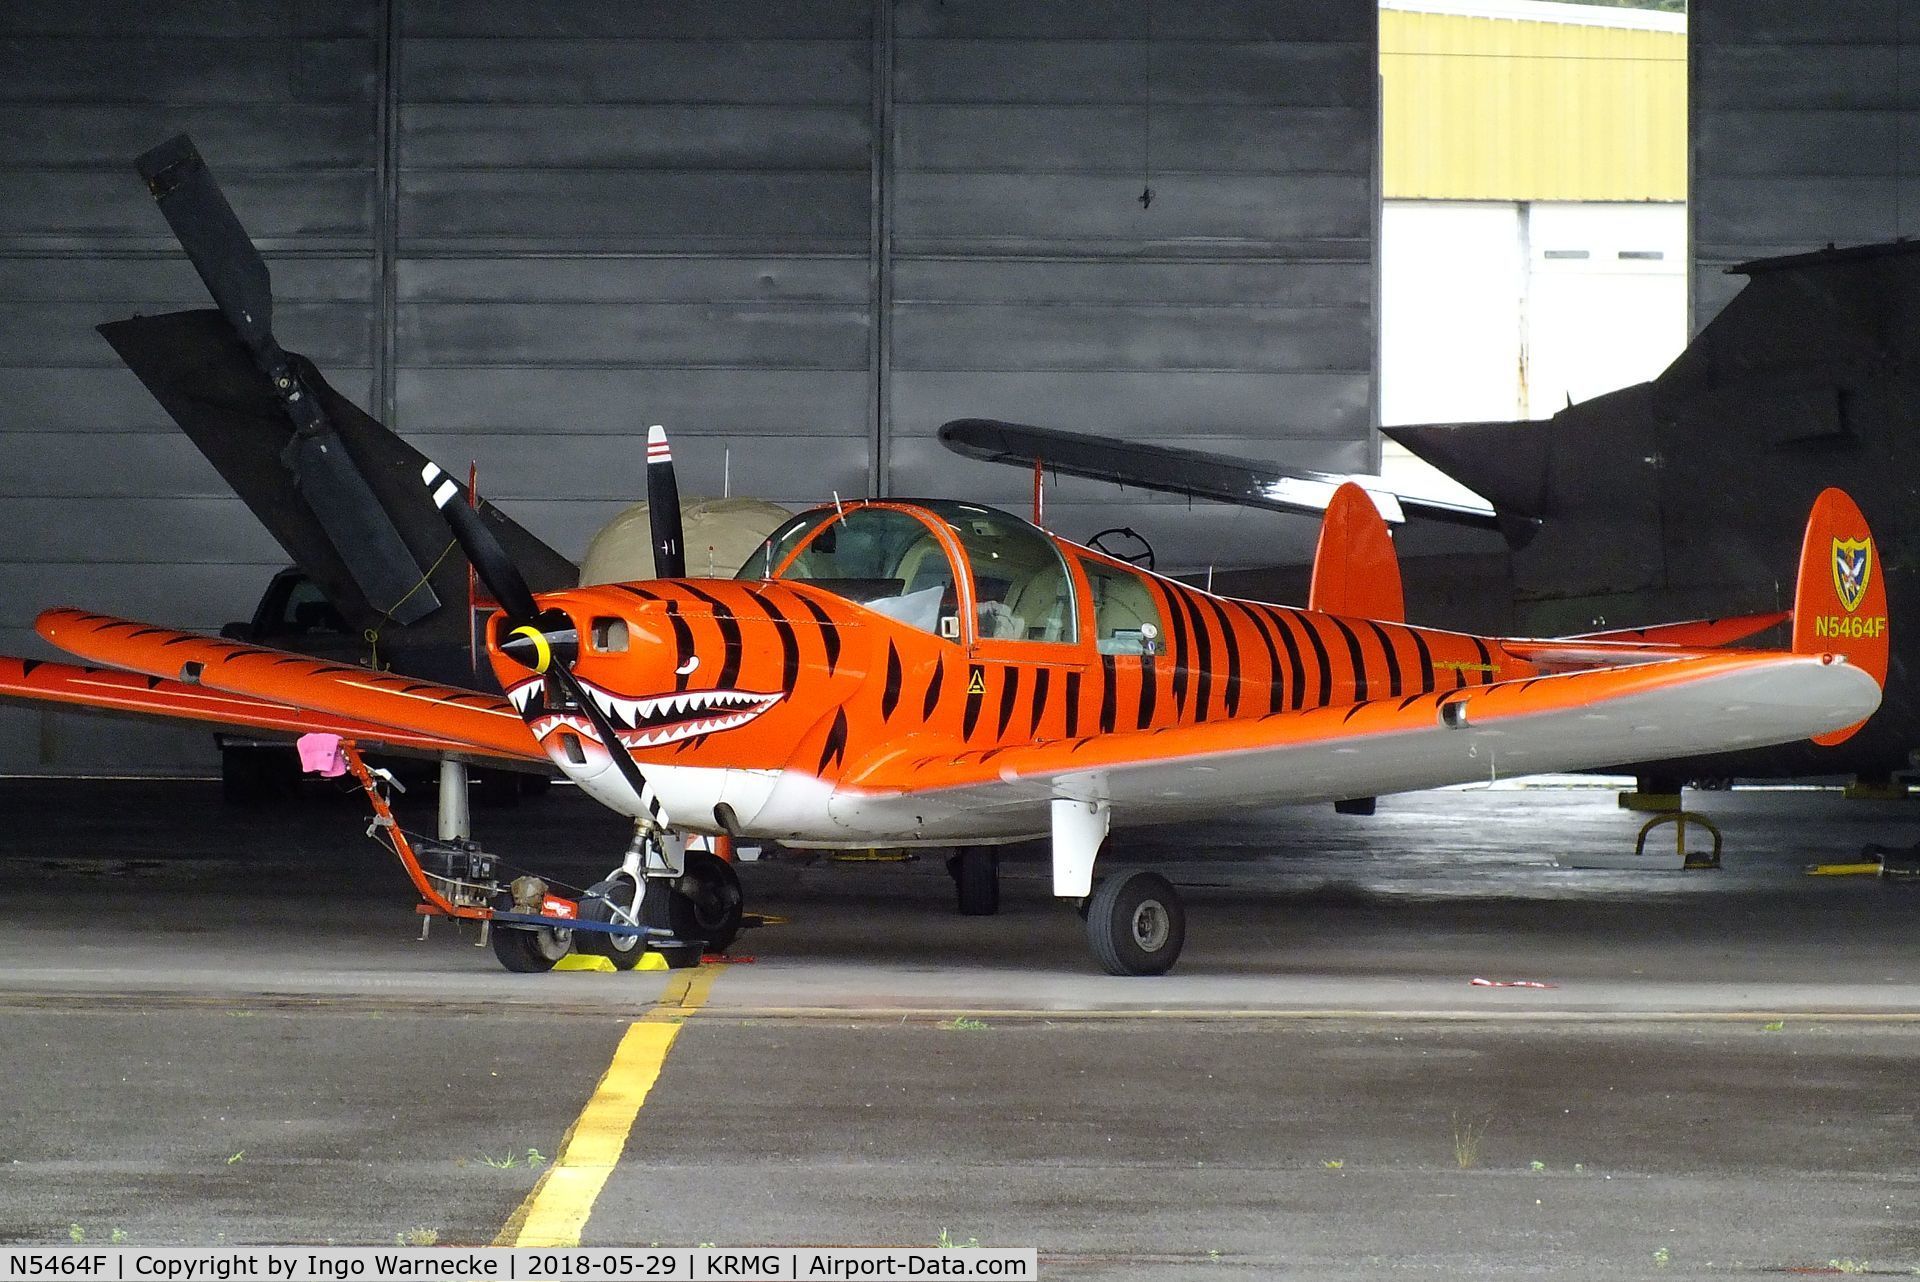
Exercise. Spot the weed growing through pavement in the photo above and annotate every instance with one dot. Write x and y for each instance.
(948, 1242)
(418, 1235)
(1467, 1135)
(963, 1024)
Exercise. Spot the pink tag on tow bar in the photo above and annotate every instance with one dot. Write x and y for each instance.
(320, 755)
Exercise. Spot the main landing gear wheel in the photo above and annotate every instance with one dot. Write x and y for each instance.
(530, 952)
(602, 898)
(1136, 924)
(707, 903)
(976, 880)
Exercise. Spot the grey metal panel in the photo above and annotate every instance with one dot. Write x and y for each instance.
(1190, 337)
(1106, 138)
(159, 530)
(105, 465)
(661, 209)
(112, 68)
(188, 596)
(795, 72)
(638, 335)
(1174, 405)
(625, 401)
(1028, 71)
(1805, 131)
(645, 19)
(197, 19)
(779, 137)
(1302, 213)
(662, 279)
(1255, 283)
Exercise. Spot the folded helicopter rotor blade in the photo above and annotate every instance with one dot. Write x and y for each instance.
(217, 245)
(325, 473)
(489, 560)
(663, 508)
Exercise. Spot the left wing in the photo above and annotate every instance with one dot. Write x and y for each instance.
(1569, 721)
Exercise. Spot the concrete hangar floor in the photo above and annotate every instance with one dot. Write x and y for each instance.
(219, 1025)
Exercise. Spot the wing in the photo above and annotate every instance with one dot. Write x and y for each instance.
(1570, 721)
(475, 722)
(126, 692)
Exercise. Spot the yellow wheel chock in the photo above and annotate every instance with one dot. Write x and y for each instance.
(1680, 819)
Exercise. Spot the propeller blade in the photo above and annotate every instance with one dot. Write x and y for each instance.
(489, 560)
(216, 243)
(663, 508)
(610, 737)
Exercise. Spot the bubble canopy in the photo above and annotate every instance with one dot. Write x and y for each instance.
(909, 559)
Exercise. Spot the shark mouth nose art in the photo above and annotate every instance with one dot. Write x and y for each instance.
(645, 722)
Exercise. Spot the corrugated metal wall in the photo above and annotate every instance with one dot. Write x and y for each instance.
(1518, 107)
(1806, 118)
(804, 234)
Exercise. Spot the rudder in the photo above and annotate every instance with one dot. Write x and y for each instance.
(1355, 569)
(1840, 601)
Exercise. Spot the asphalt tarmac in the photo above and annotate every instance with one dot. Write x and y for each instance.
(220, 1025)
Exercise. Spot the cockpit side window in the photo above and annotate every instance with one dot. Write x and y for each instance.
(887, 560)
(1020, 584)
(1125, 618)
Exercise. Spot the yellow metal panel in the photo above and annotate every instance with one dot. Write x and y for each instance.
(1478, 108)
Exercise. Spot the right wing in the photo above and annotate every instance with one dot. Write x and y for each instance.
(473, 722)
(128, 692)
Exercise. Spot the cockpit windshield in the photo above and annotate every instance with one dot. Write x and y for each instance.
(887, 560)
(891, 561)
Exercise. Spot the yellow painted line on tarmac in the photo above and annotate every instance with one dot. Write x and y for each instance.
(1845, 870)
(556, 1211)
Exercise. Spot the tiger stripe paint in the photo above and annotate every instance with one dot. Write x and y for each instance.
(765, 684)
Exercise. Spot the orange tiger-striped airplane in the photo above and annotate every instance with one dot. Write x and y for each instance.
(896, 672)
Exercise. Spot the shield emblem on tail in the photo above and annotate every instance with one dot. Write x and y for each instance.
(1852, 568)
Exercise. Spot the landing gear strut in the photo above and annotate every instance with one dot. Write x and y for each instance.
(692, 904)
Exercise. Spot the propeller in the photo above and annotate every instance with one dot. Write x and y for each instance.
(325, 473)
(544, 641)
(663, 508)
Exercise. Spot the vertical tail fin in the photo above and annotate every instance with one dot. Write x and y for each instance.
(1840, 602)
(1355, 569)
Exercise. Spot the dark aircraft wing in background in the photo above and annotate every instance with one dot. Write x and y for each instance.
(1173, 470)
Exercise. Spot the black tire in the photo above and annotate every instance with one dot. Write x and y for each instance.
(624, 951)
(707, 903)
(530, 952)
(1136, 924)
(976, 880)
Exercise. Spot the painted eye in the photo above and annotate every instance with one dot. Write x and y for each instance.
(687, 667)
